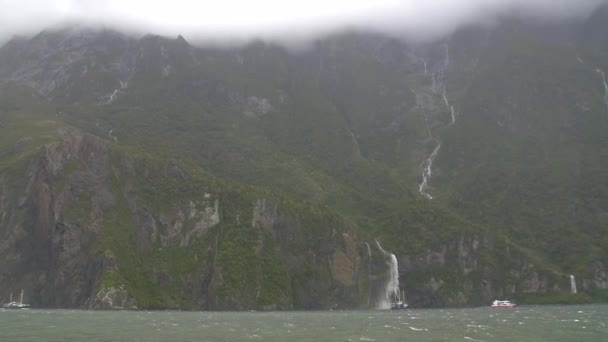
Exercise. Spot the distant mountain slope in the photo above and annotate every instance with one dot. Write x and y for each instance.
(152, 173)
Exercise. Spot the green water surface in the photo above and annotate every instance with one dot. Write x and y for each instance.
(526, 323)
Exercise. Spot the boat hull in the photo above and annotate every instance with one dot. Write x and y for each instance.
(502, 304)
(15, 306)
(399, 307)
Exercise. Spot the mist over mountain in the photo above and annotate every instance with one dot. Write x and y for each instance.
(146, 171)
(236, 22)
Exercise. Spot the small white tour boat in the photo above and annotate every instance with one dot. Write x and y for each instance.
(502, 304)
(16, 305)
(399, 303)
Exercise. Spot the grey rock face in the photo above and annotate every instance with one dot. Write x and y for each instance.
(112, 299)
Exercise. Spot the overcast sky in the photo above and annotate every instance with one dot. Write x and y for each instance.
(275, 19)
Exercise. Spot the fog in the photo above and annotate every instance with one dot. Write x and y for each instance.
(240, 20)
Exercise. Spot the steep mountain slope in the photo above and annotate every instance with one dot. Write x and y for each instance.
(88, 224)
(152, 173)
(540, 115)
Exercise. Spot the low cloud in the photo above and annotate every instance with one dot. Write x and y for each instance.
(277, 19)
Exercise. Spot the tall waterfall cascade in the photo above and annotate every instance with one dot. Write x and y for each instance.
(392, 285)
(572, 284)
(438, 87)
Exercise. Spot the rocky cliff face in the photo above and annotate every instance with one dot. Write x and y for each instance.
(473, 270)
(54, 224)
(63, 243)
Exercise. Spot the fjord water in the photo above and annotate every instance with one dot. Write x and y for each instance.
(529, 323)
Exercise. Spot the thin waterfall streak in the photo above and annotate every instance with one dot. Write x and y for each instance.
(572, 284)
(427, 172)
(111, 135)
(123, 85)
(427, 165)
(453, 116)
(369, 273)
(601, 72)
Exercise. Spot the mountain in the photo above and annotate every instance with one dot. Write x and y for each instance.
(151, 173)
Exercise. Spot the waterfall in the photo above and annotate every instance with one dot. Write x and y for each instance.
(369, 273)
(112, 97)
(427, 171)
(572, 284)
(453, 115)
(438, 84)
(112, 135)
(599, 71)
(369, 256)
(392, 285)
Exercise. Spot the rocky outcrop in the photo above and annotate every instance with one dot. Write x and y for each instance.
(191, 222)
(255, 107)
(112, 299)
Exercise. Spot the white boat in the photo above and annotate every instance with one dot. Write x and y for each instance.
(399, 303)
(502, 304)
(16, 305)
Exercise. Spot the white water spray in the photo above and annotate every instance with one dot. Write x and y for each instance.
(392, 286)
(572, 284)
